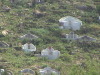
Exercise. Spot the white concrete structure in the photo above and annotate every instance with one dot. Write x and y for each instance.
(27, 72)
(70, 22)
(50, 53)
(28, 36)
(38, 1)
(28, 47)
(2, 71)
(99, 18)
(5, 72)
(49, 71)
(71, 36)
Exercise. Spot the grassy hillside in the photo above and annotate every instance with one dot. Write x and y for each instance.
(76, 58)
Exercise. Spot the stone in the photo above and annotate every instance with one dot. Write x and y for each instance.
(50, 53)
(28, 47)
(70, 22)
(49, 71)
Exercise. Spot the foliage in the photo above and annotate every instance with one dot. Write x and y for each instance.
(80, 58)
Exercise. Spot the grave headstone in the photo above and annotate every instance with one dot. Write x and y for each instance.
(70, 22)
(50, 53)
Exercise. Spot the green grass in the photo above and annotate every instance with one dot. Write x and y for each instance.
(46, 28)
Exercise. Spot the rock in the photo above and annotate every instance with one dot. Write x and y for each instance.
(29, 4)
(27, 71)
(6, 8)
(5, 32)
(39, 13)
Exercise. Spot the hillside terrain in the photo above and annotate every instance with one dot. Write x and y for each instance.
(42, 20)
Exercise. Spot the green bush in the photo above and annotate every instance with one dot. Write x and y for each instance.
(66, 58)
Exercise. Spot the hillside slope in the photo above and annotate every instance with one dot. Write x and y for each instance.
(76, 58)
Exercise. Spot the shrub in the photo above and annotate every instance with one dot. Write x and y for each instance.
(66, 58)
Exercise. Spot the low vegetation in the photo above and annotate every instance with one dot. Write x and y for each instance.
(77, 58)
